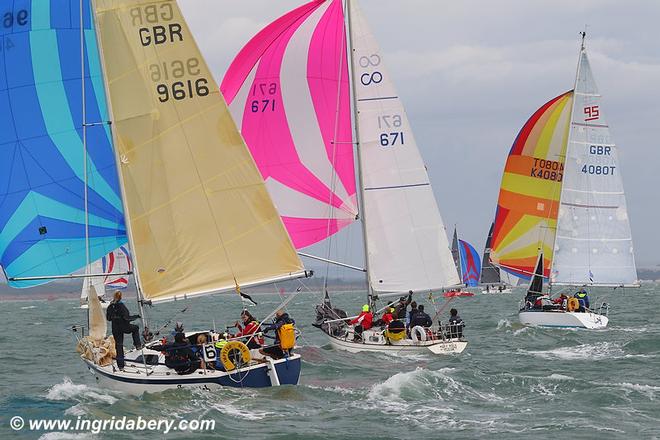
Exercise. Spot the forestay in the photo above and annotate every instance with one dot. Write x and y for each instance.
(528, 203)
(594, 243)
(42, 171)
(200, 218)
(289, 92)
(406, 238)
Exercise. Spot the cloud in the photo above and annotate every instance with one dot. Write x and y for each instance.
(472, 71)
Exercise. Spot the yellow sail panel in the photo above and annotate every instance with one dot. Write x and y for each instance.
(199, 215)
(528, 204)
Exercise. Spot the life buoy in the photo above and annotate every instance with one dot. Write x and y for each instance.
(231, 347)
(418, 333)
(573, 304)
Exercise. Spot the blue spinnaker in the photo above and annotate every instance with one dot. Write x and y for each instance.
(42, 205)
(470, 264)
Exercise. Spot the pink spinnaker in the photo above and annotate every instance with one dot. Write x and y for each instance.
(288, 90)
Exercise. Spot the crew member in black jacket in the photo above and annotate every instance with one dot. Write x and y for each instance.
(121, 318)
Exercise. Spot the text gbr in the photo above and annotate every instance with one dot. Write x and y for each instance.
(155, 28)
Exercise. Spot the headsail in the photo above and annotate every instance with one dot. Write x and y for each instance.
(594, 242)
(42, 207)
(289, 92)
(199, 215)
(490, 274)
(406, 238)
(455, 253)
(536, 280)
(470, 264)
(528, 203)
(95, 283)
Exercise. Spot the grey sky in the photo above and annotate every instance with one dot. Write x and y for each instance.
(471, 73)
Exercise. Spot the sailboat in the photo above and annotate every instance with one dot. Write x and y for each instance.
(495, 280)
(467, 261)
(307, 89)
(117, 135)
(116, 265)
(562, 212)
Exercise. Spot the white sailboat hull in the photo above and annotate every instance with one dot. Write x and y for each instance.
(134, 379)
(492, 291)
(437, 346)
(563, 319)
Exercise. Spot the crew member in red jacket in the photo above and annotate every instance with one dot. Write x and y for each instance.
(250, 326)
(362, 322)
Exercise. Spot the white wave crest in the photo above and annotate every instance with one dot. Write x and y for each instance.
(411, 382)
(66, 436)
(602, 350)
(76, 410)
(28, 307)
(648, 390)
(555, 376)
(67, 390)
(503, 323)
(240, 412)
(333, 389)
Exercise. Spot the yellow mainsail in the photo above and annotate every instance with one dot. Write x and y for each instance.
(199, 216)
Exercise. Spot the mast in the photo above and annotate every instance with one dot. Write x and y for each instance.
(356, 124)
(84, 134)
(583, 34)
(140, 299)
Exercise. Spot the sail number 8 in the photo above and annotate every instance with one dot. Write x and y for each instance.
(369, 78)
(599, 170)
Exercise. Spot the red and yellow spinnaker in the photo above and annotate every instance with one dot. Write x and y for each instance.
(528, 203)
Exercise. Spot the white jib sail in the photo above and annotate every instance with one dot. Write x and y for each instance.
(594, 243)
(406, 237)
(96, 282)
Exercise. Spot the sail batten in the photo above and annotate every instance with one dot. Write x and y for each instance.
(200, 217)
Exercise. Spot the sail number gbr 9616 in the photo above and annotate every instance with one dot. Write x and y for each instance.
(175, 79)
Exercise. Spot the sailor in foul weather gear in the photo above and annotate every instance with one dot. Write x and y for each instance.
(179, 355)
(118, 314)
(362, 322)
(583, 298)
(401, 308)
(421, 318)
(283, 324)
(456, 325)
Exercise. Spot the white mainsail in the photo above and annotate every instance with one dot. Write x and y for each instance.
(593, 244)
(407, 246)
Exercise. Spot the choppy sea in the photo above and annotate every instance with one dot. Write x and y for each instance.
(511, 382)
